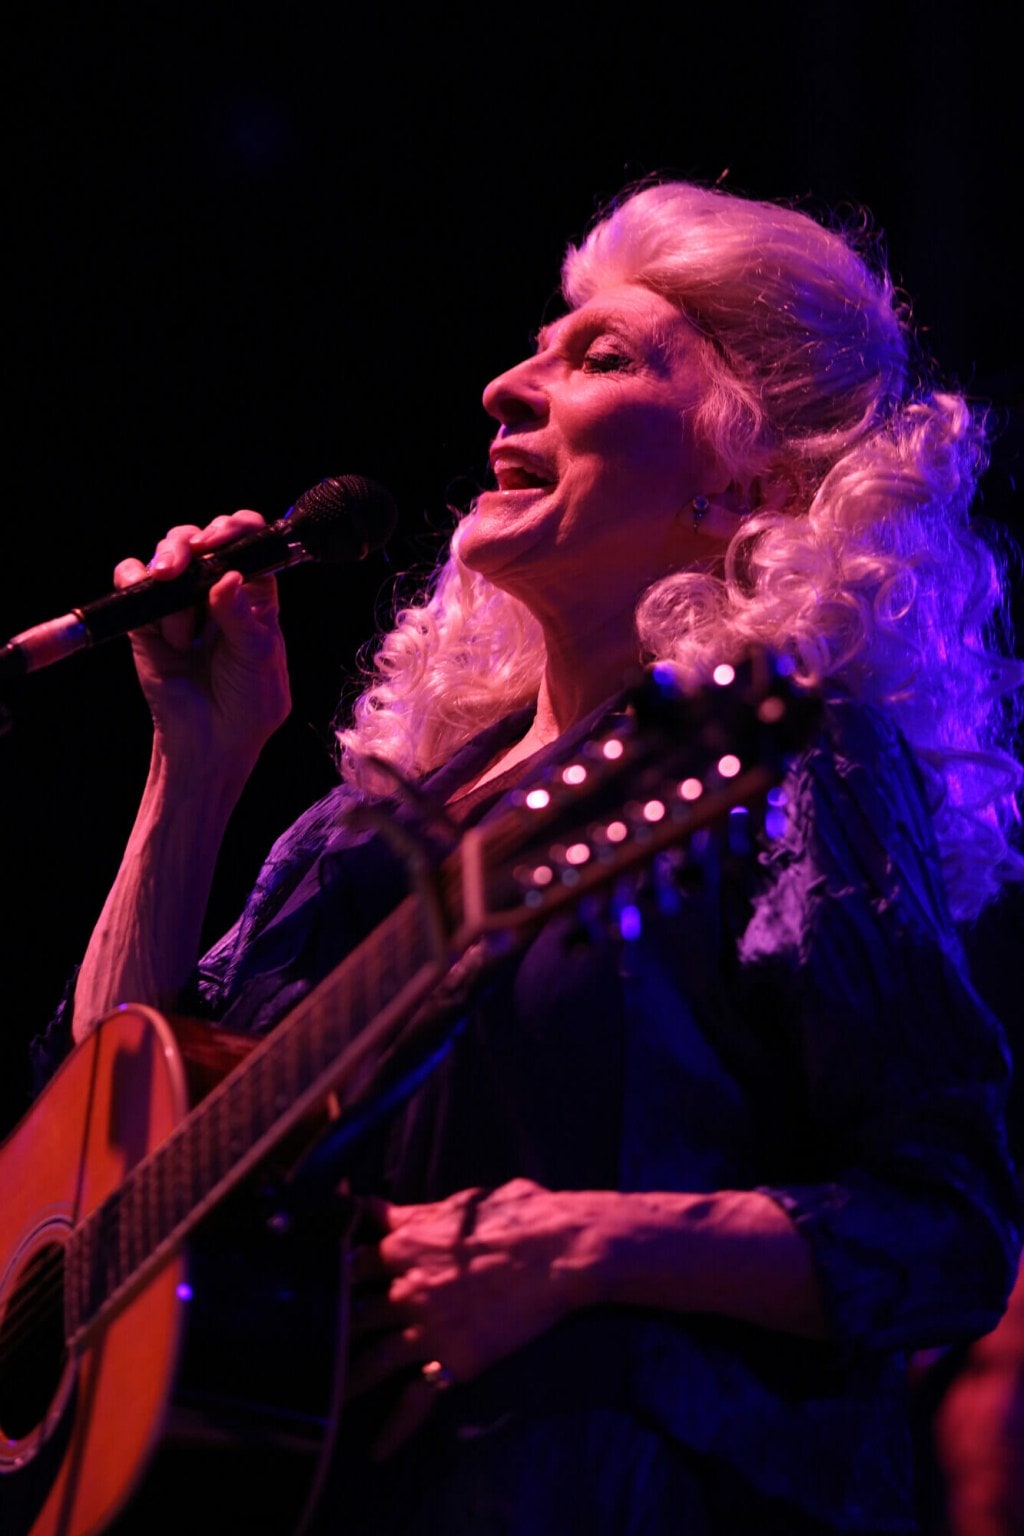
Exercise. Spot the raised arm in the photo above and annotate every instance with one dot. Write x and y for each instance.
(217, 687)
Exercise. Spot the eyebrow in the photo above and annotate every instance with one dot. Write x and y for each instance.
(612, 320)
(598, 317)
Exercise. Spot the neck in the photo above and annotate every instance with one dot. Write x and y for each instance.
(581, 671)
(583, 667)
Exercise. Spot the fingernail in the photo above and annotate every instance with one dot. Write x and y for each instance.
(160, 562)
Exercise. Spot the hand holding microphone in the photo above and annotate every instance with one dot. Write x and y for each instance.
(215, 698)
(339, 519)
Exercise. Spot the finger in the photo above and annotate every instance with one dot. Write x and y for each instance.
(392, 1217)
(243, 607)
(173, 553)
(225, 529)
(128, 572)
(366, 1264)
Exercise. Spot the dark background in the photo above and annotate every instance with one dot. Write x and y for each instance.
(249, 246)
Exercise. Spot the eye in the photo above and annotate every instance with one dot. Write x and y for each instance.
(606, 357)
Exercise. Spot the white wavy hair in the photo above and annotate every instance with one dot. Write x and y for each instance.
(865, 569)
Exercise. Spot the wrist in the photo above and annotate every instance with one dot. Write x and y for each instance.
(600, 1232)
(197, 775)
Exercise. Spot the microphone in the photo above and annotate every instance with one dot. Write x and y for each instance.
(341, 519)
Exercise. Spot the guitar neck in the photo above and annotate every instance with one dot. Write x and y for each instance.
(334, 1033)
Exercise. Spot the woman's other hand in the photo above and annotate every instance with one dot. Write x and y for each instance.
(463, 1282)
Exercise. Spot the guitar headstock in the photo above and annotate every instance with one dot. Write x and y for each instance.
(672, 763)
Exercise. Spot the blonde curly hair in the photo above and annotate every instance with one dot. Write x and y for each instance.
(862, 564)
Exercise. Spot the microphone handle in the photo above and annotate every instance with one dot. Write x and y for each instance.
(271, 549)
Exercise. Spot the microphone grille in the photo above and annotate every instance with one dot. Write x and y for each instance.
(343, 518)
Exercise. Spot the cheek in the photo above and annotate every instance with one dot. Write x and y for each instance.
(655, 443)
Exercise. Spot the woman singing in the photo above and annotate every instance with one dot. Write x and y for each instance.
(646, 1252)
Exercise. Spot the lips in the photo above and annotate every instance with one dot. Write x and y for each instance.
(516, 472)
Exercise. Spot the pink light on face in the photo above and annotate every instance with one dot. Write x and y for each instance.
(729, 765)
(691, 789)
(537, 799)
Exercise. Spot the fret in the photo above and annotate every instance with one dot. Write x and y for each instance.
(148, 1207)
(297, 1047)
(202, 1137)
(242, 1110)
(356, 987)
(103, 1269)
(75, 1267)
(188, 1163)
(263, 1093)
(232, 1139)
(129, 1234)
(176, 1188)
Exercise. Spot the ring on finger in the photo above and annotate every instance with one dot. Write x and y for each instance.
(437, 1376)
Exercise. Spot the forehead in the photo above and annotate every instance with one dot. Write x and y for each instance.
(626, 307)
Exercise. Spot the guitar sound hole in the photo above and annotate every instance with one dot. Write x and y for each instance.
(32, 1352)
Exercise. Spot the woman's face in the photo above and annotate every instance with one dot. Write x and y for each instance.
(596, 459)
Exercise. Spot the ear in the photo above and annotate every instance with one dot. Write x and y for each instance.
(718, 515)
(780, 488)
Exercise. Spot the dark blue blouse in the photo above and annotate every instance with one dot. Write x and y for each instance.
(801, 1024)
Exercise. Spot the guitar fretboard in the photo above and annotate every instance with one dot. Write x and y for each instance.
(115, 1248)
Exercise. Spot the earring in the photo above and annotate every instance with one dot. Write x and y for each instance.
(700, 506)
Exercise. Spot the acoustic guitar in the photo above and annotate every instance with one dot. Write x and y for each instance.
(132, 1365)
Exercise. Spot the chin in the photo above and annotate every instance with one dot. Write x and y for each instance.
(494, 547)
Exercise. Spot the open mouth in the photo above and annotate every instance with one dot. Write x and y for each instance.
(513, 478)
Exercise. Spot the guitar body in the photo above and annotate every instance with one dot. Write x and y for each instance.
(223, 1356)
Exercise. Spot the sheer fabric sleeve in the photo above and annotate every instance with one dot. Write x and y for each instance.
(913, 1216)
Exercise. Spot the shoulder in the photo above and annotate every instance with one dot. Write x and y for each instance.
(858, 836)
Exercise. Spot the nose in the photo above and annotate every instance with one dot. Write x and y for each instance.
(518, 396)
